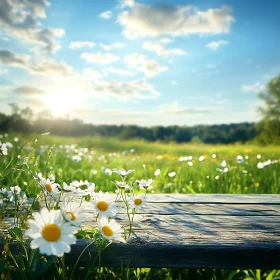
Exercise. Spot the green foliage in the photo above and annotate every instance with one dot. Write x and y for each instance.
(270, 124)
(23, 120)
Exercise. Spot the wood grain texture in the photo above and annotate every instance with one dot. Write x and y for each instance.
(195, 231)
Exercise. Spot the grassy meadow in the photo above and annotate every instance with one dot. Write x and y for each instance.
(175, 168)
(198, 168)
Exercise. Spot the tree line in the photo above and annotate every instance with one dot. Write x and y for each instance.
(19, 121)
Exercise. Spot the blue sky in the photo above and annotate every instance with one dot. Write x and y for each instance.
(139, 62)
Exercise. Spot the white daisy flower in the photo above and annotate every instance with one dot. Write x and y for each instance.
(157, 172)
(82, 188)
(172, 174)
(144, 183)
(137, 202)
(123, 172)
(104, 204)
(224, 163)
(111, 230)
(73, 212)
(49, 186)
(15, 190)
(239, 159)
(122, 185)
(50, 233)
(3, 149)
(68, 188)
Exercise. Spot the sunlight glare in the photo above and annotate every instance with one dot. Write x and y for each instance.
(62, 100)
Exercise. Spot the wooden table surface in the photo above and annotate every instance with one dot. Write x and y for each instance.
(198, 231)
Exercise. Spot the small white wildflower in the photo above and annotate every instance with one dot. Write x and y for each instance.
(104, 204)
(201, 158)
(111, 230)
(224, 163)
(144, 183)
(122, 172)
(172, 174)
(122, 185)
(137, 202)
(239, 159)
(3, 149)
(157, 172)
(73, 212)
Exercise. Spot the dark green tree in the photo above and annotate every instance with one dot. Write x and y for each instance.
(270, 123)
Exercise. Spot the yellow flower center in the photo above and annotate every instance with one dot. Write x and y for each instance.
(102, 206)
(73, 217)
(138, 201)
(107, 231)
(48, 187)
(51, 232)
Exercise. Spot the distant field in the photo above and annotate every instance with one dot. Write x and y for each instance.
(199, 168)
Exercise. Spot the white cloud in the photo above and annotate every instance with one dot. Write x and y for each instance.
(121, 72)
(138, 89)
(100, 58)
(140, 62)
(176, 109)
(128, 3)
(255, 88)
(106, 14)
(20, 19)
(10, 58)
(42, 67)
(174, 83)
(211, 66)
(214, 45)
(141, 20)
(27, 91)
(92, 74)
(112, 46)
(3, 71)
(159, 49)
(81, 44)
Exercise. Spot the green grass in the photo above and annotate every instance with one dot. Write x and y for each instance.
(49, 156)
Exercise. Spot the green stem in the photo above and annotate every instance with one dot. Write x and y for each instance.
(127, 213)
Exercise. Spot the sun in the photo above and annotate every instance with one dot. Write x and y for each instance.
(61, 101)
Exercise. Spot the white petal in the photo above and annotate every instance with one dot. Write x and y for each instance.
(58, 217)
(46, 248)
(37, 242)
(56, 249)
(64, 247)
(52, 216)
(33, 225)
(32, 234)
(45, 214)
(67, 228)
(68, 239)
(38, 219)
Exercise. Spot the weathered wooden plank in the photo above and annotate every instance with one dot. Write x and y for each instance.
(247, 255)
(265, 199)
(165, 208)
